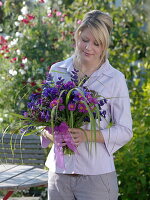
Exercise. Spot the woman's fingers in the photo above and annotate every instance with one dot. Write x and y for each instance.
(77, 135)
(46, 134)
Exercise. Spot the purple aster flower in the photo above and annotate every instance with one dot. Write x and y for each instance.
(93, 100)
(62, 107)
(53, 103)
(82, 108)
(71, 106)
(77, 96)
(60, 100)
(80, 96)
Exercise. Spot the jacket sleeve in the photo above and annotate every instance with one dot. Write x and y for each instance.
(44, 141)
(121, 131)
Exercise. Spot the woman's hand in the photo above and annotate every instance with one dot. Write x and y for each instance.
(79, 135)
(47, 135)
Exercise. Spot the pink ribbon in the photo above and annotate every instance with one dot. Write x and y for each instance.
(61, 134)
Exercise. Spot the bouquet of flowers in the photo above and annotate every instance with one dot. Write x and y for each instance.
(62, 105)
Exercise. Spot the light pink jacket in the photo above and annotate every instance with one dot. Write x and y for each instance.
(111, 84)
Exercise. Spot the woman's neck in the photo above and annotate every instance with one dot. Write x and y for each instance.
(86, 68)
(85, 71)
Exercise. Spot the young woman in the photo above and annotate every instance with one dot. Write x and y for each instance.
(92, 176)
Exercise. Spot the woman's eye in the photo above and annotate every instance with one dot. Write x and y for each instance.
(96, 44)
(84, 40)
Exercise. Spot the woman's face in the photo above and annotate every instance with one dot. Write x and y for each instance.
(89, 49)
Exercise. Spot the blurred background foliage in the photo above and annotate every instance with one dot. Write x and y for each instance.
(36, 34)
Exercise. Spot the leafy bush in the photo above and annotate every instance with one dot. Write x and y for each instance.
(43, 37)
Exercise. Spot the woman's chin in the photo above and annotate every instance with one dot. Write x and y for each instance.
(86, 58)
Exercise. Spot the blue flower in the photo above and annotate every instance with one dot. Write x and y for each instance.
(103, 113)
(60, 81)
(31, 105)
(50, 92)
(47, 117)
(49, 78)
(86, 119)
(74, 76)
(69, 85)
(102, 102)
(42, 115)
(34, 96)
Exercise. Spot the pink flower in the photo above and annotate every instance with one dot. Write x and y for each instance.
(79, 21)
(2, 40)
(26, 21)
(6, 57)
(1, 3)
(30, 17)
(39, 89)
(41, 1)
(50, 14)
(33, 83)
(4, 47)
(13, 60)
(58, 13)
(62, 19)
(22, 65)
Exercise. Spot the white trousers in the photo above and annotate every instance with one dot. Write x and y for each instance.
(82, 187)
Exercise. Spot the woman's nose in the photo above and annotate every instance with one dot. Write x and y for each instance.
(88, 46)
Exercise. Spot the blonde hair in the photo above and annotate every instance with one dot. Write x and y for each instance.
(101, 25)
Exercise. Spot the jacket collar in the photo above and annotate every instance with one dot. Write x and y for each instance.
(106, 69)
